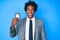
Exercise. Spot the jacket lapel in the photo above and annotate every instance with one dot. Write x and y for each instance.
(23, 31)
(36, 30)
(24, 26)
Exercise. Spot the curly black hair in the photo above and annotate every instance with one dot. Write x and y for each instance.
(31, 3)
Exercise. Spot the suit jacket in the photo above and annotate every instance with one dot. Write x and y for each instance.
(20, 30)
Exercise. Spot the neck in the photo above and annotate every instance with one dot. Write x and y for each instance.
(30, 17)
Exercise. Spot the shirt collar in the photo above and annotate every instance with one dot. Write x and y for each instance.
(31, 19)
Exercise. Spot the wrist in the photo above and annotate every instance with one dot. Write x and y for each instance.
(12, 27)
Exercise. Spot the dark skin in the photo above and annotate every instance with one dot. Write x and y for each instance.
(30, 13)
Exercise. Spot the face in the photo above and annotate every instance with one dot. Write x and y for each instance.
(30, 11)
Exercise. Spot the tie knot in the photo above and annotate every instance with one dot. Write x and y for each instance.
(30, 20)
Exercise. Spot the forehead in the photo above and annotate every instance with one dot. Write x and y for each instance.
(30, 6)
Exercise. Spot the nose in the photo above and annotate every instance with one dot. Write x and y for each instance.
(30, 11)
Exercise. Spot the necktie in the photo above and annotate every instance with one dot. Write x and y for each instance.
(30, 31)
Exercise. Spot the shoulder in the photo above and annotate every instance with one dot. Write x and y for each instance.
(40, 22)
(21, 21)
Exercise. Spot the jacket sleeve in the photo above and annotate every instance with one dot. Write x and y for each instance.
(43, 33)
(13, 32)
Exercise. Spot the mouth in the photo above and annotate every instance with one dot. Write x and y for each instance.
(30, 14)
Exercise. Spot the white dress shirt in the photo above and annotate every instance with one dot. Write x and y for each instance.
(27, 27)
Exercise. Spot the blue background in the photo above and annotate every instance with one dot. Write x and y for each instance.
(48, 11)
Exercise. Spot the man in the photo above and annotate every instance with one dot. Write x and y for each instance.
(30, 28)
